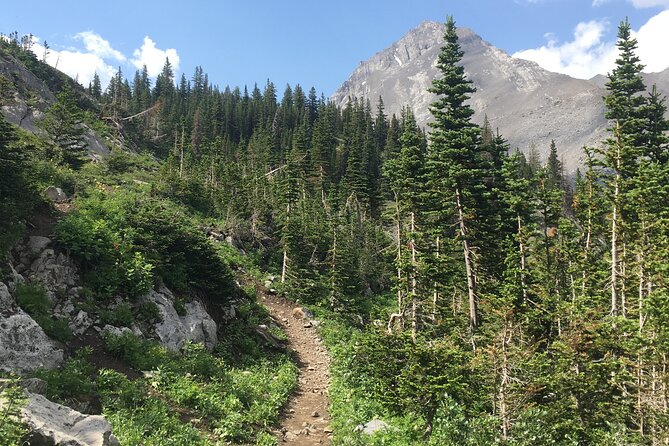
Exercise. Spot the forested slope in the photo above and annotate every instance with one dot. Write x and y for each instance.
(469, 295)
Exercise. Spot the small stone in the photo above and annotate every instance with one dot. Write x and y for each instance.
(327, 430)
(315, 414)
(308, 325)
(289, 436)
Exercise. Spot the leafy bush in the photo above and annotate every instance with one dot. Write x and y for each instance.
(139, 353)
(12, 398)
(122, 239)
(149, 312)
(119, 161)
(121, 316)
(34, 301)
(74, 379)
(138, 418)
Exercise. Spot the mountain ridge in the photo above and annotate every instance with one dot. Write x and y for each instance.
(530, 106)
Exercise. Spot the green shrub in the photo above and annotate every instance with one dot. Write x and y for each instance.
(180, 306)
(149, 312)
(137, 274)
(138, 418)
(139, 353)
(123, 239)
(119, 161)
(74, 379)
(34, 301)
(12, 399)
(121, 316)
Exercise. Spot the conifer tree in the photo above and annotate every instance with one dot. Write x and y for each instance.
(63, 122)
(404, 174)
(454, 162)
(624, 105)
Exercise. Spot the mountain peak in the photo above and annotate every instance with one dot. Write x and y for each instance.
(529, 105)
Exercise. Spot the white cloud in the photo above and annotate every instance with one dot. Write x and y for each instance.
(154, 58)
(653, 38)
(588, 54)
(596, 3)
(584, 57)
(649, 3)
(98, 56)
(95, 44)
(77, 64)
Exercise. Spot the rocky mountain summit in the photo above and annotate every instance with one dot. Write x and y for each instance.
(526, 103)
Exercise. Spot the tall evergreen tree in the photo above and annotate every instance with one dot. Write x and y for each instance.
(624, 105)
(454, 161)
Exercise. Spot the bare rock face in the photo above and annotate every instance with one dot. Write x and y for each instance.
(529, 105)
(56, 194)
(31, 99)
(56, 272)
(24, 346)
(7, 303)
(174, 330)
(51, 423)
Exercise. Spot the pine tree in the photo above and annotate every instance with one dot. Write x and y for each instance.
(454, 162)
(95, 89)
(63, 122)
(624, 111)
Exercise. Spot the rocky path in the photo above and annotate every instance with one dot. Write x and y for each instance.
(305, 420)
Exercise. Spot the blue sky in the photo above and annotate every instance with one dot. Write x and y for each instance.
(319, 43)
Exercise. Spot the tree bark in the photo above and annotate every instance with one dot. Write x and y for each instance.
(469, 267)
(414, 304)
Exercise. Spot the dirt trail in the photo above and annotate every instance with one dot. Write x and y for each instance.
(305, 420)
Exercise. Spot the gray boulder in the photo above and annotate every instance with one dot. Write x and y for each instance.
(200, 327)
(7, 303)
(24, 346)
(36, 244)
(373, 427)
(54, 424)
(54, 272)
(55, 194)
(174, 330)
(80, 323)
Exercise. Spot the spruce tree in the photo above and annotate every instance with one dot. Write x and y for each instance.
(454, 161)
(624, 105)
(63, 121)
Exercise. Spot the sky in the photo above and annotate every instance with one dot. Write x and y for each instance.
(319, 42)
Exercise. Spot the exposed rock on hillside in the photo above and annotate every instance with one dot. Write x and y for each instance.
(30, 98)
(52, 423)
(24, 346)
(195, 324)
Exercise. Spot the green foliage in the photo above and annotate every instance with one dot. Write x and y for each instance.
(139, 353)
(17, 187)
(12, 398)
(124, 239)
(76, 378)
(63, 122)
(138, 418)
(33, 299)
(150, 312)
(119, 316)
